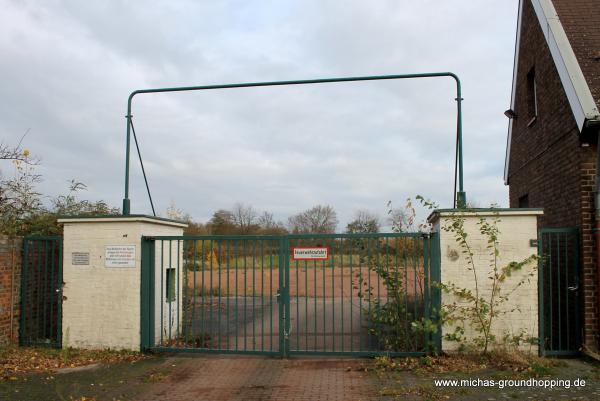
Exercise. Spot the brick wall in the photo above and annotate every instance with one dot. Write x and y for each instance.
(550, 161)
(10, 280)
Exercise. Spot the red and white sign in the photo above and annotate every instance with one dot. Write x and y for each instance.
(310, 253)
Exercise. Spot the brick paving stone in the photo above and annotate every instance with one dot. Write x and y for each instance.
(217, 378)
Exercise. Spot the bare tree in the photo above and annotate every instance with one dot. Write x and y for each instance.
(268, 225)
(17, 153)
(318, 219)
(266, 220)
(245, 218)
(364, 222)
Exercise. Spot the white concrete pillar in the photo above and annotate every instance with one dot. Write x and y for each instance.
(517, 241)
(102, 279)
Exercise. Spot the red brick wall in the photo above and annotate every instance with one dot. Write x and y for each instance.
(548, 161)
(10, 283)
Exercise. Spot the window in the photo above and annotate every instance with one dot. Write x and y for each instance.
(532, 107)
(170, 284)
(524, 201)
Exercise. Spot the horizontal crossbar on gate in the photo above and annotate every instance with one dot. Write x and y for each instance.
(276, 237)
(254, 294)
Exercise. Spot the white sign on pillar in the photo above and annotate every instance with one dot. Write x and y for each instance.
(119, 256)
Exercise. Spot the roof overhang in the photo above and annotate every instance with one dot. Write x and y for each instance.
(583, 106)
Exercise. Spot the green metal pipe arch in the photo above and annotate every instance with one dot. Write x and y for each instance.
(459, 196)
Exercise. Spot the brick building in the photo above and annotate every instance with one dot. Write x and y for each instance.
(552, 144)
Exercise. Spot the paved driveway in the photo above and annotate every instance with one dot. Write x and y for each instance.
(218, 378)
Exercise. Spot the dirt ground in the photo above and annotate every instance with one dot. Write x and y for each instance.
(304, 282)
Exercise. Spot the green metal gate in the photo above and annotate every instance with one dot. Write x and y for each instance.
(560, 292)
(41, 292)
(341, 294)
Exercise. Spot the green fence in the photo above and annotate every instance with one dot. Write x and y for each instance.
(561, 328)
(355, 294)
(41, 292)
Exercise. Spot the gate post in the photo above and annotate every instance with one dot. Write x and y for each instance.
(147, 313)
(106, 280)
(436, 296)
(516, 241)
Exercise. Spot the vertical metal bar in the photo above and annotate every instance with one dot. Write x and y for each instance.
(287, 297)
(343, 298)
(551, 297)
(203, 334)
(52, 291)
(324, 306)
(45, 291)
(297, 306)
(281, 299)
(351, 298)
(262, 297)
(559, 290)
(237, 322)
(332, 294)
(541, 290)
(211, 329)
(59, 291)
(316, 298)
(306, 305)
(567, 290)
(387, 269)
(397, 273)
(579, 290)
(185, 268)
(39, 293)
(245, 294)
(178, 299)
(415, 253)
(23, 332)
(170, 264)
(405, 260)
(162, 288)
(361, 295)
(370, 292)
(426, 270)
(194, 296)
(228, 295)
(377, 264)
(219, 313)
(253, 294)
(271, 298)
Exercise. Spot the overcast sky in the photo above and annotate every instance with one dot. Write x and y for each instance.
(67, 68)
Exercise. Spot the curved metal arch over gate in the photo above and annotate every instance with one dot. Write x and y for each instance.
(459, 196)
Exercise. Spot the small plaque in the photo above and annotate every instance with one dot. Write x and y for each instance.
(310, 253)
(80, 258)
(119, 256)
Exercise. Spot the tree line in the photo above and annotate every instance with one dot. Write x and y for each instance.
(25, 211)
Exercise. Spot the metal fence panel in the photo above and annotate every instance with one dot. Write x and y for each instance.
(559, 286)
(41, 292)
(250, 294)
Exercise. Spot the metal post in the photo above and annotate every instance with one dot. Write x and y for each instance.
(460, 195)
